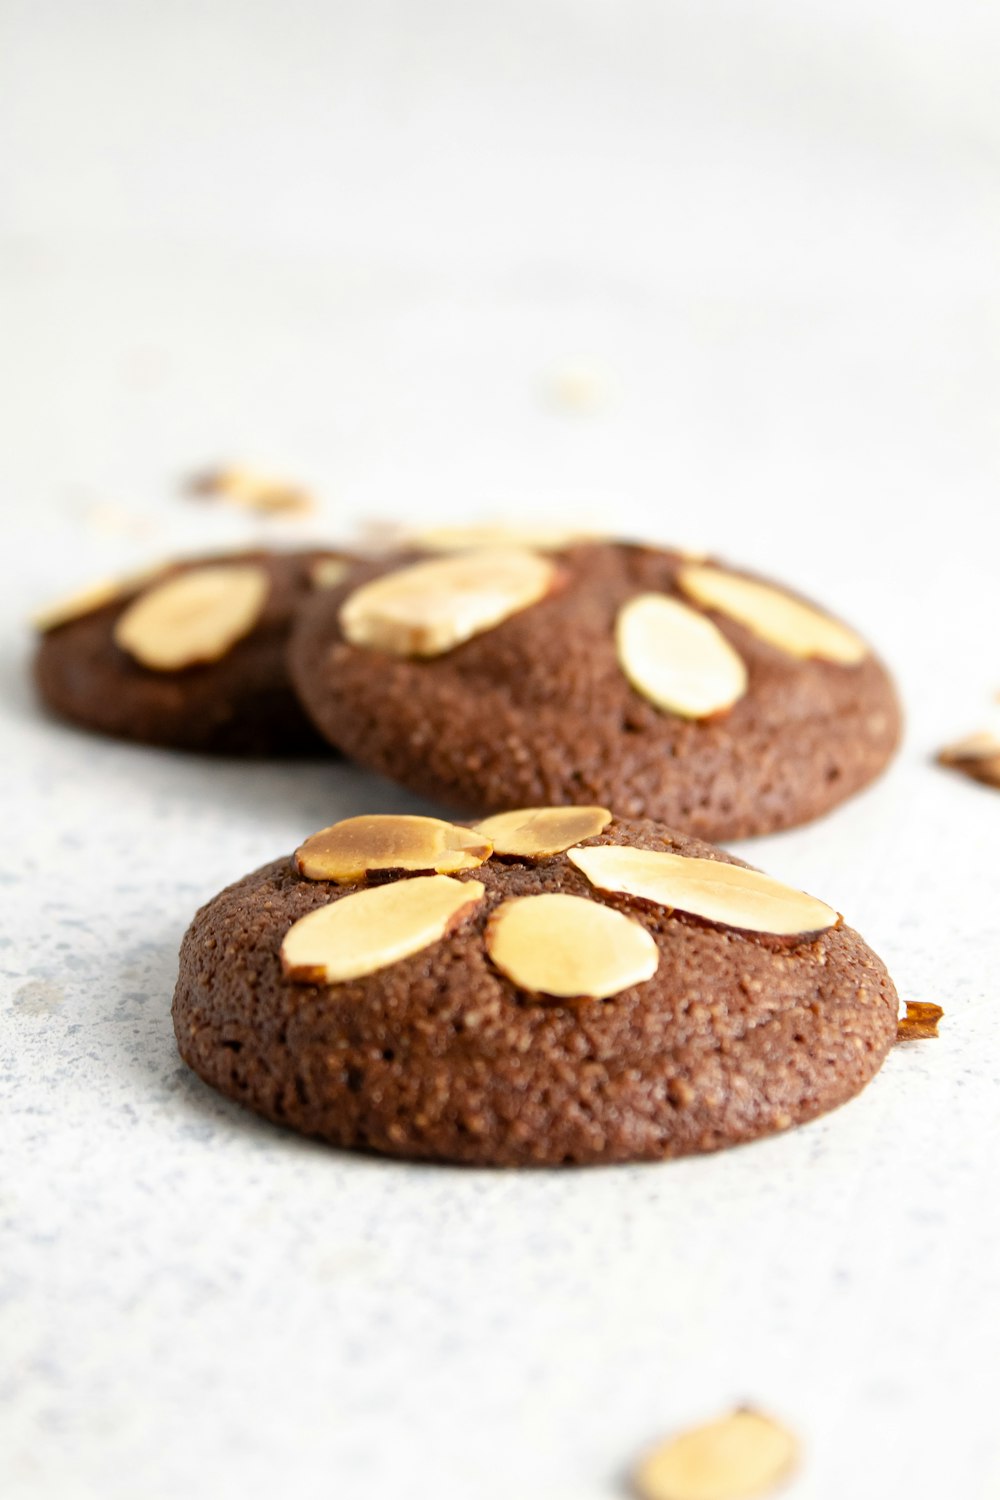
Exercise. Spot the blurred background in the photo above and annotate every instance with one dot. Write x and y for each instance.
(711, 270)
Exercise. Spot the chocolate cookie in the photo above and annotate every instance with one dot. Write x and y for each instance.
(605, 672)
(191, 655)
(553, 986)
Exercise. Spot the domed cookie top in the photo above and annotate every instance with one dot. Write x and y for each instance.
(189, 654)
(555, 985)
(604, 672)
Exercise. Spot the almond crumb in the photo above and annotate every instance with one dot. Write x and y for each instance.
(249, 490)
(920, 1022)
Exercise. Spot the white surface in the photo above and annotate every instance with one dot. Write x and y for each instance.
(364, 244)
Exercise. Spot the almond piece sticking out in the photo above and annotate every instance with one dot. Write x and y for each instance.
(481, 538)
(196, 616)
(677, 658)
(708, 888)
(569, 948)
(369, 930)
(540, 832)
(87, 601)
(430, 607)
(920, 1022)
(354, 848)
(978, 756)
(774, 616)
(327, 572)
(249, 490)
(734, 1458)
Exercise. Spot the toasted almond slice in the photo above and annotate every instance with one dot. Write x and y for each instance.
(778, 618)
(483, 538)
(369, 930)
(983, 745)
(739, 1456)
(350, 850)
(708, 888)
(195, 616)
(677, 658)
(431, 607)
(569, 948)
(920, 1021)
(250, 490)
(87, 601)
(539, 832)
(328, 572)
(977, 756)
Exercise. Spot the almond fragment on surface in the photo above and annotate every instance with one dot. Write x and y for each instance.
(481, 538)
(250, 490)
(348, 851)
(709, 888)
(774, 616)
(677, 658)
(87, 601)
(539, 832)
(371, 929)
(739, 1456)
(194, 617)
(920, 1022)
(430, 607)
(569, 948)
(977, 756)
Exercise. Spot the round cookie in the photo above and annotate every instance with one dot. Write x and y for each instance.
(427, 1010)
(628, 675)
(191, 655)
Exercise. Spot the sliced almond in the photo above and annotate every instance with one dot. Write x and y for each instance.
(708, 888)
(86, 601)
(568, 947)
(196, 616)
(328, 572)
(920, 1022)
(369, 930)
(978, 756)
(677, 658)
(739, 1456)
(778, 618)
(250, 490)
(350, 850)
(482, 538)
(430, 607)
(540, 832)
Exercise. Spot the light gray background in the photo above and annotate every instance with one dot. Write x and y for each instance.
(378, 246)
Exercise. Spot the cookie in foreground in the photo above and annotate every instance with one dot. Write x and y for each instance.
(189, 655)
(597, 672)
(551, 986)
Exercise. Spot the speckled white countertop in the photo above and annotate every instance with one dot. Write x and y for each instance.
(726, 276)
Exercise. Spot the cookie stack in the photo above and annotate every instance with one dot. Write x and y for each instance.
(573, 976)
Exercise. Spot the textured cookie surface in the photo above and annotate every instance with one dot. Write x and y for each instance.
(241, 703)
(441, 1055)
(539, 708)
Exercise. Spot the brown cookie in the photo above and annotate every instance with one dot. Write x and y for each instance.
(192, 655)
(427, 1010)
(625, 675)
